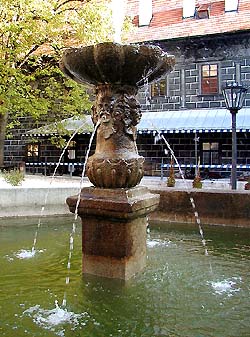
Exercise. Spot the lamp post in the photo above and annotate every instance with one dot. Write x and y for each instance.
(234, 95)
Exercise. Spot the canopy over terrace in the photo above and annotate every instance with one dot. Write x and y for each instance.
(153, 122)
(175, 121)
(196, 120)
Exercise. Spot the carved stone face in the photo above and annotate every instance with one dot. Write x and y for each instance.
(117, 113)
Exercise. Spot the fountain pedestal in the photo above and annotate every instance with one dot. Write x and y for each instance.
(114, 229)
(114, 212)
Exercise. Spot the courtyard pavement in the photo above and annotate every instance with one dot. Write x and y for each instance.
(34, 181)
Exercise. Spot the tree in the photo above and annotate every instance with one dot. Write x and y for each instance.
(33, 34)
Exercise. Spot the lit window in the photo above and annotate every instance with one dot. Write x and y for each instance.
(72, 150)
(209, 79)
(32, 151)
(188, 8)
(145, 12)
(210, 153)
(159, 88)
(231, 5)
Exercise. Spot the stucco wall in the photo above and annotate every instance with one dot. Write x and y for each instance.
(29, 201)
(214, 207)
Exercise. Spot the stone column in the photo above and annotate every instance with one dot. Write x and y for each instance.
(114, 225)
(183, 88)
(116, 162)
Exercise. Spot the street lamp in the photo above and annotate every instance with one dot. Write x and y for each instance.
(234, 95)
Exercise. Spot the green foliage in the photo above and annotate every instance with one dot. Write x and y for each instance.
(14, 177)
(31, 30)
(171, 182)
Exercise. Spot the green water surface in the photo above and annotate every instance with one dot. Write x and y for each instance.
(181, 292)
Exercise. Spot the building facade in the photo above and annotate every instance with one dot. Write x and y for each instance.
(211, 43)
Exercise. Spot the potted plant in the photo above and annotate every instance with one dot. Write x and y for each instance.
(197, 183)
(171, 178)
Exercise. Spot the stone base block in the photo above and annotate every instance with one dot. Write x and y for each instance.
(114, 230)
(113, 249)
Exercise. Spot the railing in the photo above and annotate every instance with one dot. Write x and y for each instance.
(219, 167)
(47, 168)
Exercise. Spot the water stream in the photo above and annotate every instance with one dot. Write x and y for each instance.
(196, 214)
(118, 15)
(24, 253)
(59, 315)
(72, 234)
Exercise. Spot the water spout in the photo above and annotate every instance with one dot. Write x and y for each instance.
(118, 15)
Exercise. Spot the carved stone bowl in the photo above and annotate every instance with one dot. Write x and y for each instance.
(118, 64)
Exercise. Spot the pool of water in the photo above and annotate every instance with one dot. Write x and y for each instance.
(182, 292)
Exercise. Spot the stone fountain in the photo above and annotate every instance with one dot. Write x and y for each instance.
(114, 211)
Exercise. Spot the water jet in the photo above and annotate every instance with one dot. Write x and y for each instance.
(114, 211)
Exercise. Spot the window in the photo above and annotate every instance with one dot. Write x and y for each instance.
(210, 153)
(231, 5)
(145, 12)
(32, 152)
(188, 8)
(202, 12)
(71, 152)
(159, 88)
(209, 79)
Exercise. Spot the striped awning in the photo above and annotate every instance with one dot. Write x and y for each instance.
(174, 121)
(196, 120)
(205, 166)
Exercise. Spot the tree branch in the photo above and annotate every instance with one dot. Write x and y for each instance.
(68, 1)
(66, 9)
(34, 48)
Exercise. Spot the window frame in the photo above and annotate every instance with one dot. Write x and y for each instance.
(202, 12)
(166, 81)
(201, 77)
(186, 11)
(210, 151)
(228, 2)
(32, 158)
(145, 12)
(71, 153)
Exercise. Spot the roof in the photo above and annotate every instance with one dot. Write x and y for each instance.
(174, 121)
(167, 21)
(83, 125)
(196, 120)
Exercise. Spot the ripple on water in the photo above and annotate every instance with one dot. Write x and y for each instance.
(227, 286)
(156, 242)
(55, 319)
(27, 254)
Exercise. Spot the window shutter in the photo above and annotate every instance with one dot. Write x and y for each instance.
(231, 5)
(188, 8)
(145, 12)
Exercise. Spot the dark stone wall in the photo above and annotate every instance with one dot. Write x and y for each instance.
(230, 51)
(15, 144)
(183, 146)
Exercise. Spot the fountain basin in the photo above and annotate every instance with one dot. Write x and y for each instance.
(129, 65)
(177, 295)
